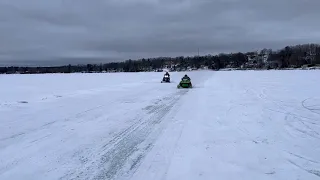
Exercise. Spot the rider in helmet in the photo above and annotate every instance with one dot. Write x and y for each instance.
(167, 74)
(186, 77)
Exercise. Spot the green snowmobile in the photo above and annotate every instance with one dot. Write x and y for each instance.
(185, 82)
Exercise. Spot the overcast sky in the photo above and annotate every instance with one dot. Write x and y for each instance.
(52, 32)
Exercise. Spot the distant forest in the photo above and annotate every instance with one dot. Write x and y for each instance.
(306, 55)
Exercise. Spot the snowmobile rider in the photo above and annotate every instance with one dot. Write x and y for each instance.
(186, 77)
(167, 74)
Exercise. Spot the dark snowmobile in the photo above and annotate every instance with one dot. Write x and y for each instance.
(185, 82)
(166, 78)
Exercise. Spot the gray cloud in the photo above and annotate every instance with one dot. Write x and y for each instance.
(83, 31)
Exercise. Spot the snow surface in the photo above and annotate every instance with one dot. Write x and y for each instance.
(129, 126)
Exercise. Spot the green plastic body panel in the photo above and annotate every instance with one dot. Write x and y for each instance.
(185, 84)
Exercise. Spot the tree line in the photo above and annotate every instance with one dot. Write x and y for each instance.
(287, 57)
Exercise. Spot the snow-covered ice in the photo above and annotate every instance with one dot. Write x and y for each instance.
(129, 126)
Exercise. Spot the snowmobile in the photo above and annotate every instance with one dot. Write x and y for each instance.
(185, 82)
(166, 78)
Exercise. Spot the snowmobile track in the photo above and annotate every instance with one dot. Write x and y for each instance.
(124, 152)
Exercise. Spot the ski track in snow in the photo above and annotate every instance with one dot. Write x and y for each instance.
(129, 126)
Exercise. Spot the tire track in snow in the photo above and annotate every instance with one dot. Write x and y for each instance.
(311, 171)
(125, 151)
(291, 122)
(304, 158)
(311, 108)
(117, 156)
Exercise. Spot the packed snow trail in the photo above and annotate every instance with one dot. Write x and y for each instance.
(129, 126)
